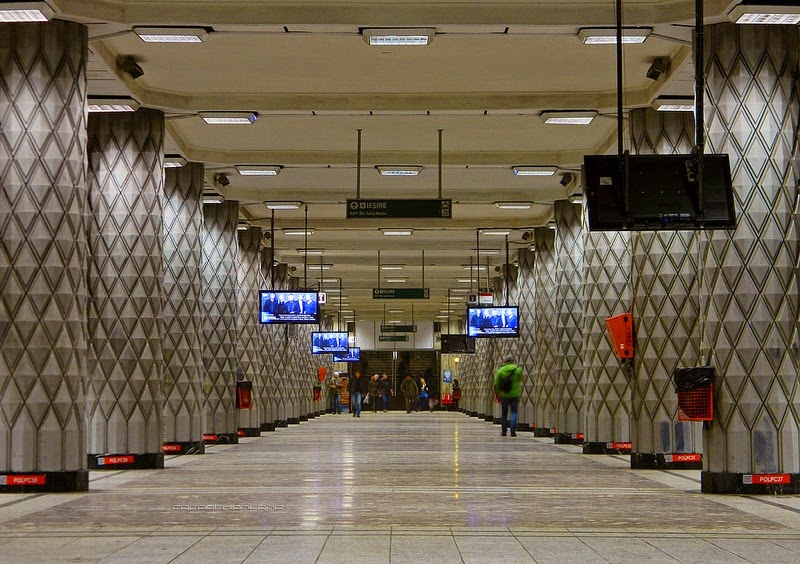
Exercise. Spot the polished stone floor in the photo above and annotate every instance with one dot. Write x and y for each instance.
(397, 487)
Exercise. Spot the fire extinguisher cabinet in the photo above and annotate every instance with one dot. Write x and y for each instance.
(695, 389)
(244, 394)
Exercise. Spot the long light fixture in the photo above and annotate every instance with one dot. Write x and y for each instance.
(534, 170)
(608, 35)
(396, 310)
(18, 12)
(455, 298)
(171, 34)
(174, 161)
(674, 104)
(397, 280)
(329, 280)
(513, 205)
(473, 267)
(283, 205)
(497, 232)
(387, 170)
(464, 280)
(487, 251)
(398, 36)
(459, 290)
(392, 266)
(559, 117)
(326, 266)
(297, 231)
(98, 104)
(229, 118)
(212, 199)
(317, 252)
(747, 13)
(243, 226)
(397, 232)
(258, 170)
(576, 198)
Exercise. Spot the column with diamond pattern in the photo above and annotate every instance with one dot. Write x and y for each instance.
(526, 348)
(126, 368)
(749, 289)
(43, 200)
(249, 345)
(547, 370)
(569, 309)
(220, 321)
(183, 310)
(267, 373)
(665, 307)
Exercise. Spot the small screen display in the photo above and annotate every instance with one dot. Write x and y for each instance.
(288, 307)
(493, 321)
(353, 355)
(329, 342)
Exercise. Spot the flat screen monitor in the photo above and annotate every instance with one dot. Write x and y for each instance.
(327, 342)
(353, 354)
(662, 193)
(457, 343)
(500, 321)
(287, 307)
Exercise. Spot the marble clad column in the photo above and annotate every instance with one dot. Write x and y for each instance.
(665, 307)
(43, 199)
(526, 348)
(126, 367)
(294, 358)
(547, 370)
(280, 360)
(183, 310)
(607, 271)
(220, 323)
(505, 348)
(267, 377)
(569, 311)
(249, 345)
(749, 287)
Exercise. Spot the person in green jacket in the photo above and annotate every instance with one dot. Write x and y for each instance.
(507, 386)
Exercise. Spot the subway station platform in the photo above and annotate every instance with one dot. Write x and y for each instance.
(421, 487)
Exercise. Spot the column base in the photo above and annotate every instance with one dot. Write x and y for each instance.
(524, 427)
(303, 418)
(568, 438)
(221, 438)
(44, 482)
(282, 423)
(666, 461)
(544, 432)
(139, 461)
(488, 418)
(267, 427)
(595, 447)
(758, 484)
(190, 447)
(293, 421)
(248, 432)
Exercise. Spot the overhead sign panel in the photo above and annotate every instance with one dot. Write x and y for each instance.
(401, 293)
(398, 328)
(392, 338)
(399, 209)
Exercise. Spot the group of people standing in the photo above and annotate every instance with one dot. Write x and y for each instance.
(373, 391)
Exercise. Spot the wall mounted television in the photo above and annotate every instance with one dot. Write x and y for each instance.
(494, 321)
(280, 307)
(662, 193)
(353, 354)
(457, 343)
(327, 342)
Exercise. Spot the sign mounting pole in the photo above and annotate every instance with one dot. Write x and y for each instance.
(358, 167)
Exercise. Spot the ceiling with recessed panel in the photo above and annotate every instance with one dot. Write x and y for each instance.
(304, 67)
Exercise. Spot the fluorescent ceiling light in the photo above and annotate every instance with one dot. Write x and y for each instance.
(674, 104)
(765, 14)
(283, 205)
(212, 199)
(397, 232)
(499, 232)
(311, 252)
(229, 118)
(392, 266)
(473, 267)
(465, 280)
(327, 266)
(18, 12)
(459, 290)
(243, 225)
(258, 170)
(171, 34)
(396, 310)
(329, 280)
(576, 199)
(514, 205)
(608, 35)
(455, 298)
(386, 170)
(297, 231)
(487, 251)
(551, 224)
(174, 161)
(445, 311)
(583, 117)
(396, 280)
(534, 170)
(398, 36)
(97, 104)
(442, 316)
(394, 322)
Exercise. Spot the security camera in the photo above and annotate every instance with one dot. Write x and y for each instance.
(221, 179)
(129, 66)
(566, 179)
(659, 66)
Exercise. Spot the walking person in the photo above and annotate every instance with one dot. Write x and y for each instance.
(334, 383)
(386, 392)
(507, 386)
(409, 389)
(357, 386)
(456, 393)
(424, 394)
(374, 392)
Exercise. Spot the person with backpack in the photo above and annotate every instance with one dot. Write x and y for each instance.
(507, 386)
